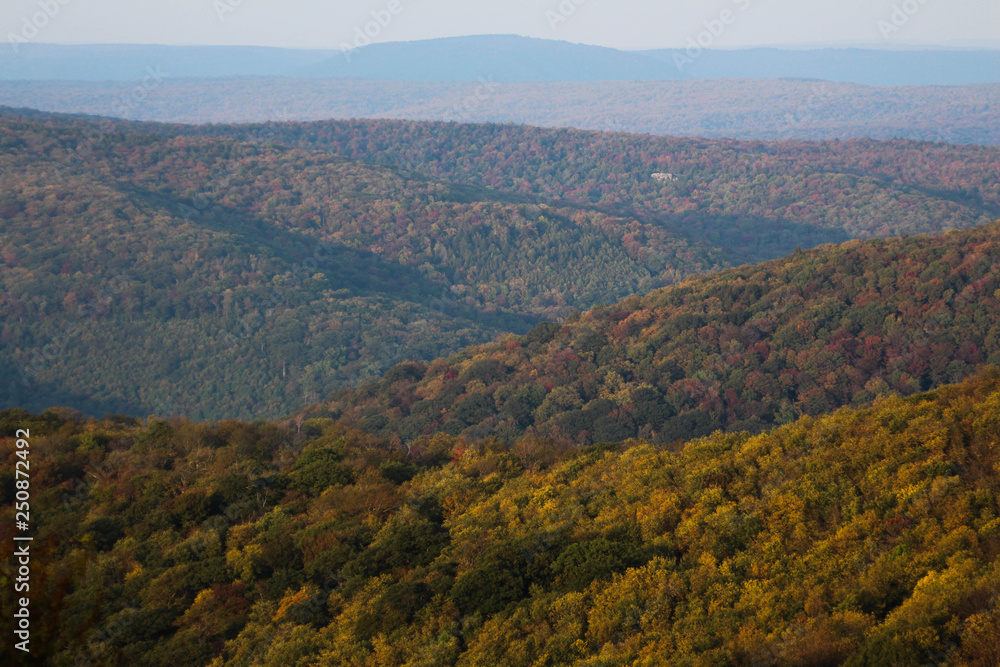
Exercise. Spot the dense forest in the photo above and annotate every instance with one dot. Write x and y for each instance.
(755, 200)
(739, 108)
(859, 538)
(528, 389)
(742, 349)
(253, 271)
(240, 279)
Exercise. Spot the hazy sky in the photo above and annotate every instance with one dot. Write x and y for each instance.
(622, 24)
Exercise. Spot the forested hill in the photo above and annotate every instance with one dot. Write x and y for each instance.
(858, 538)
(239, 279)
(755, 200)
(743, 349)
(251, 271)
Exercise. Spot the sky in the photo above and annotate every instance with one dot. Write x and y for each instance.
(623, 24)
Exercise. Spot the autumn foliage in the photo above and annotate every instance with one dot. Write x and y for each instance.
(865, 537)
(743, 349)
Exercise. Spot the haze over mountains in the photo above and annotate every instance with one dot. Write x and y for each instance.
(744, 109)
(506, 58)
(950, 96)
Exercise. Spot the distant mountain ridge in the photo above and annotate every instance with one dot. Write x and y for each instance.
(497, 57)
(734, 108)
(506, 58)
(760, 94)
(870, 67)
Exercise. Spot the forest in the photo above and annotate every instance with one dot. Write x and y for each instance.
(755, 200)
(861, 537)
(243, 280)
(382, 393)
(671, 339)
(740, 350)
(248, 272)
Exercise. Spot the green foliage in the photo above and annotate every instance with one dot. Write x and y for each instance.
(498, 579)
(583, 563)
(536, 500)
(752, 200)
(402, 544)
(234, 279)
(318, 469)
(103, 532)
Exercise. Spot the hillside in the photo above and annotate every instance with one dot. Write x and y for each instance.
(250, 271)
(737, 108)
(859, 538)
(757, 200)
(239, 279)
(742, 349)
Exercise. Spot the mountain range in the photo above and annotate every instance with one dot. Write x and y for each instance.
(505, 58)
(747, 109)
(944, 95)
(398, 392)
(740, 350)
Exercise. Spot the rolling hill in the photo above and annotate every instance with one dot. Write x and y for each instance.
(399, 393)
(756, 199)
(251, 271)
(239, 279)
(740, 350)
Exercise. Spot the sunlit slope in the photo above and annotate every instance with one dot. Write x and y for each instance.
(860, 538)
